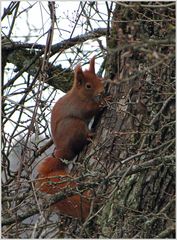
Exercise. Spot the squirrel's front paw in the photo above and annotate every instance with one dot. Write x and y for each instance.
(90, 136)
(105, 102)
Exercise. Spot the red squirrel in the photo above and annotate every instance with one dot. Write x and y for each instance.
(72, 113)
(69, 125)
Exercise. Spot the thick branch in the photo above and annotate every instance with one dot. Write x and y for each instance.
(22, 55)
(63, 45)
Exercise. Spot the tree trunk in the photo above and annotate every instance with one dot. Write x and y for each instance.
(134, 149)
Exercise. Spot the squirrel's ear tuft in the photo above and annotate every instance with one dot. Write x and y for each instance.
(79, 76)
(92, 65)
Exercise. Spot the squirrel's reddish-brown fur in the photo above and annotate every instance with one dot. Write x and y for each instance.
(72, 113)
(69, 124)
(54, 177)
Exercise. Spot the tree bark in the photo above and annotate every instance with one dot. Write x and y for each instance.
(136, 133)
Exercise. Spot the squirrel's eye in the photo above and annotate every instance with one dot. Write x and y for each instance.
(88, 85)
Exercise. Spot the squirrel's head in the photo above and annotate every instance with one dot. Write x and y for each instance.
(87, 83)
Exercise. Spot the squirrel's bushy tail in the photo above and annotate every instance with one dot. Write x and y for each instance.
(53, 177)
